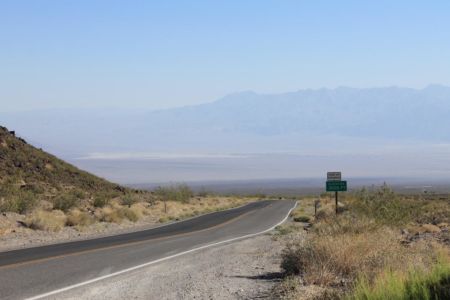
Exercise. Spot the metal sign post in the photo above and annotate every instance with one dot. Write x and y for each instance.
(335, 184)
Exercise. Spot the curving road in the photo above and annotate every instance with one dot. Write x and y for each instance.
(42, 272)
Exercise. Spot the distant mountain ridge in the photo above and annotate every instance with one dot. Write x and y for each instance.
(382, 112)
(247, 120)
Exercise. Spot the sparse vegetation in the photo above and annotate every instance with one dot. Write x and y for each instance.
(302, 218)
(419, 283)
(129, 199)
(79, 218)
(179, 192)
(65, 202)
(367, 252)
(29, 175)
(25, 167)
(54, 194)
(16, 199)
(101, 200)
(44, 220)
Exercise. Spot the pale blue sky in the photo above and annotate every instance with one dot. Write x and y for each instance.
(156, 54)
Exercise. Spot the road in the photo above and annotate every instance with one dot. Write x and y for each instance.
(40, 272)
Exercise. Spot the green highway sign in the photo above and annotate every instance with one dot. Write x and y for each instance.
(336, 186)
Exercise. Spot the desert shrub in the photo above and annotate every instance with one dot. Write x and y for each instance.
(180, 192)
(326, 259)
(345, 224)
(8, 204)
(284, 229)
(434, 212)
(15, 199)
(34, 188)
(385, 206)
(110, 215)
(78, 193)
(20, 203)
(129, 214)
(25, 202)
(163, 220)
(301, 218)
(118, 214)
(128, 200)
(44, 220)
(139, 209)
(79, 218)
(64, 202)
(361, 251)
(101, 200)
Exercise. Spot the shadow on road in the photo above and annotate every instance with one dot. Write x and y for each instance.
(271, 276)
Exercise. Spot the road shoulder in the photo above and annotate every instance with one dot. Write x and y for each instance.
(246, 269)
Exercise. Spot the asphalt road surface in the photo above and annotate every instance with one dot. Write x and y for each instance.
(45, 271)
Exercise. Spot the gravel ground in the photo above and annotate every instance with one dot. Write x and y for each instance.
(247, 269)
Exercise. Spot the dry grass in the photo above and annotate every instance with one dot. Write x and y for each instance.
(300, 213)
(114, 214)
(44, 220)
(420, 282)
(199, 205)
(329, 260)
(78, 218)
(116, 210)
(352, 251)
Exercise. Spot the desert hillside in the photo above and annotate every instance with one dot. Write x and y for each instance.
(29, 175)
(40, 191)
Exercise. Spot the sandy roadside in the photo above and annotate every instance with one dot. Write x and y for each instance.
(247, 269)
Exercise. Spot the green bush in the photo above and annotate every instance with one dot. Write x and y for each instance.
(101, 201)
(128, 200)
(65, 202)
(15, 199)
(78, 193)
(26, 201)
(417, 284)
(385, 206)
(303, 219)
(18, 204)
(34, 189)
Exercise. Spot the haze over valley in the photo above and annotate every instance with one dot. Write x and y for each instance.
(389, 132)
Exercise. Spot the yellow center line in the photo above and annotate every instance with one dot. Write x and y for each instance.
(34, 261)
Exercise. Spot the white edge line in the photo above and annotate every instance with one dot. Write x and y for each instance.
(158, 260)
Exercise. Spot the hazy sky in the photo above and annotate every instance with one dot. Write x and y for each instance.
(157, 54)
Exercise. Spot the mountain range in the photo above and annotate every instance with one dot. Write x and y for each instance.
(248, 122)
